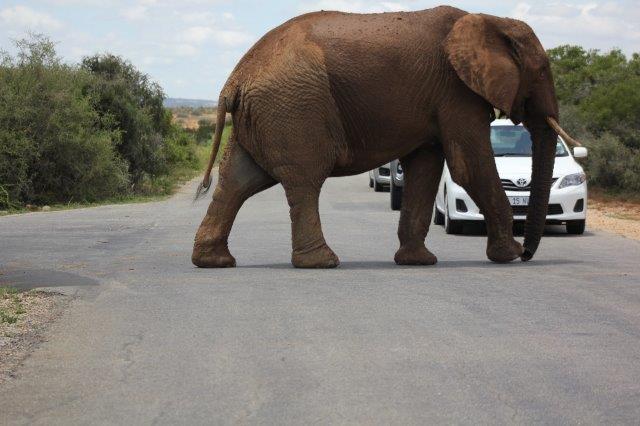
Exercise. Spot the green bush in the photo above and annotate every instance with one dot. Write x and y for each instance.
(84, 133)
(599, 95)
(206, 129)
(52, 145)
(612, 164)
(179, 149)
(133, 105)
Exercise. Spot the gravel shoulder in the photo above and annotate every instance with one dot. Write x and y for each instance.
(24, 318)
(618, 217)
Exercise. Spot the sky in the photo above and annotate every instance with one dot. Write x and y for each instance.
(190, 46)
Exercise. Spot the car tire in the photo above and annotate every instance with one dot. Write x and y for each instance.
(438, 218)
(575, 227)
(377, 187)
(396, 196)
(370, 182)
(451, 227)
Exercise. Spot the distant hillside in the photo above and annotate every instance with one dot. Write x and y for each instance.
(189, 103)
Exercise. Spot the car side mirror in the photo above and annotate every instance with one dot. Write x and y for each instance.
(580, 152)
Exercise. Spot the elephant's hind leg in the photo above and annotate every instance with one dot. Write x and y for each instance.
(422, 171)
(239, 178)
(310, 249)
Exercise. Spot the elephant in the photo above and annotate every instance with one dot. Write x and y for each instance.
(334, 94)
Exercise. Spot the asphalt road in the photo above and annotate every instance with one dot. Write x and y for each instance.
(151, 339)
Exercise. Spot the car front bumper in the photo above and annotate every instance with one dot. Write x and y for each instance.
(566, 198)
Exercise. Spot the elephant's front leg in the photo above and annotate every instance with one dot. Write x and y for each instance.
(310, 249)
(466, 140)
(422, 171)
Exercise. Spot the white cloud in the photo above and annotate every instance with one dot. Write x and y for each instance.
(594, 25)
(222, 37)
(198, 34)
(353, 6)
(184, 49)
(232, 38)
(26, 18)
(135, 13)
(196, 17)
(394, 7)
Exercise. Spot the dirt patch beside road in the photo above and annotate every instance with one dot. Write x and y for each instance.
(617, 216)
(23, 321)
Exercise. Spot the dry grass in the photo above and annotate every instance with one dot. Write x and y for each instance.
(614, 213)
(188, 118)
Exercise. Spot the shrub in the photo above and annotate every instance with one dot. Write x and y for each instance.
(52, 145)
(179, 149)
(206, 129)
(132, 104)
(599, 96)
(83, 133)
(613, 165)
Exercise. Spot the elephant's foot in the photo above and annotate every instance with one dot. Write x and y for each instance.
(321, 258)
(415, 255)
(504, 252)
(212, 256)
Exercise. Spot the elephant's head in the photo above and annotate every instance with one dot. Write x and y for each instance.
(503, 61)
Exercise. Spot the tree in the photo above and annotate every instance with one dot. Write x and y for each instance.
(53, 147)
(599, 96)
(131, 103)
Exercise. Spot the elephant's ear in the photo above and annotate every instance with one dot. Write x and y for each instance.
(484, 59)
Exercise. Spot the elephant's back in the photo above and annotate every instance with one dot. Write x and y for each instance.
(364, 79)
(350, 35)
(380, 29)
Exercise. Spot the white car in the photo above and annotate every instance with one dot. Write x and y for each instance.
(379, 178)
(512, 148)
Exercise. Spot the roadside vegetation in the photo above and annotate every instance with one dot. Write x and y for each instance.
(23, 318)
(97, 131)
(599, 95)
(85, 133)
(200, 124)
(11, 307)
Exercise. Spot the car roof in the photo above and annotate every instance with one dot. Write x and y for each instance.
(507, 122)
(503, 122)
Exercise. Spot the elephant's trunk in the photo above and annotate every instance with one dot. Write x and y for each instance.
(545, 139)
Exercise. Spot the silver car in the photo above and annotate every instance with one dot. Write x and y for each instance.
(396, 184)
(379, 178)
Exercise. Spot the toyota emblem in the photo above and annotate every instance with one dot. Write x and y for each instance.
(522, 182)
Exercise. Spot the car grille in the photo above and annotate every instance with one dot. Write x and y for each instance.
(509, 185)
(554, 209)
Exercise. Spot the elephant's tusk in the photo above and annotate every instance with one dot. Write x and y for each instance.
(559, 130)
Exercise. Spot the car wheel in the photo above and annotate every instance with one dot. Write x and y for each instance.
(575, 227)
(450, 226)
(377, 186)
(396, 196)
(438, 218)
(370, 182)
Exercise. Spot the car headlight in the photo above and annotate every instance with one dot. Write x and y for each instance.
(573, 180)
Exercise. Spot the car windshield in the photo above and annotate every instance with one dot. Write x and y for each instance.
(515, 141)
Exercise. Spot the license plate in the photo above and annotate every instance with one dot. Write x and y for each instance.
(519, 201)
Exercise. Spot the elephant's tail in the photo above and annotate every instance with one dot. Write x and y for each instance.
(205, 185)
